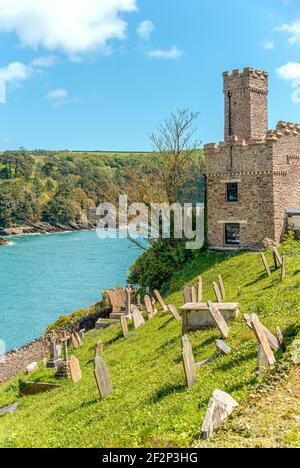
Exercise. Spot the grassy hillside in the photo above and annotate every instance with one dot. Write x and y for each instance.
(150, 405)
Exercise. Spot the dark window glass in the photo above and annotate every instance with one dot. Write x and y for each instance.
(232, 234)
(232, 192)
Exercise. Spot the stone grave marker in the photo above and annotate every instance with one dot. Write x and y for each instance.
(149, 308)
(174, 312)
(187, 297)
(262, 362)
(188, 362)
(128, 301)
(74, 341)
(102, 377)
(31, 368)
(194, 294)
(99, 349)
(222, 288)
(217, 292)
(219, 320)
(124, 325)
(265, 263)
(138, 319)
(273, 341)
(75, 371)
(161, 301)
(200, 289)
(155, 311)
(55, 353)
(9, 409)
(220, 406)
(262, 339)
(223, 347)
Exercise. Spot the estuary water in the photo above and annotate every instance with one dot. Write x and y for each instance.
(44, 277)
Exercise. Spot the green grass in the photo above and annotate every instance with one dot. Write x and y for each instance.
(150, 405)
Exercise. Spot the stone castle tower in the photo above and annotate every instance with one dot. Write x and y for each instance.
(253, 177)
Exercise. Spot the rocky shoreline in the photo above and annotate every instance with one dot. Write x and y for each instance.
(42, 228)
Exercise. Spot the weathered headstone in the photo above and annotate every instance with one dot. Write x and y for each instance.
(124, 325)
(138, 319)
(223, 347)
(31, 368)
(222, 288)
(161, 301)
(154, 303)
(194, 294)
(187, 297)
(149, 308)
(99, 349)
(276, 257)
(262, 362)
(63, 370)
(265, 263)
(74, 341)
(220, 406)
(102, 377)
(262, 339)
(200, 289)
(75, 370)
(217, 292)
(9, 409)
(174, 312)
(188, 362)
(273, 341)
(219, 320)
(55, 353)
(204, 362)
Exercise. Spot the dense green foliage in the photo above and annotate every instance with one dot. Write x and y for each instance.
(56, 187)
(150, 405)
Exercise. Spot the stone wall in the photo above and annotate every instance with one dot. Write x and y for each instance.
(16, 361)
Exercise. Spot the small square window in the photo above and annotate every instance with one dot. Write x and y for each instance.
(232, 234)
(232, 192)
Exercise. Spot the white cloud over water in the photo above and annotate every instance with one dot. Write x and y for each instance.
(72, 26)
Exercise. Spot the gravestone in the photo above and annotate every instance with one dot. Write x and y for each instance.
(74, 341)
(102, 377)
(160, 300)
(187, 297)
(262, 362)
(124, 325)
(174, 312)
(262, 339)
(75, 371)
(138, 319)
(128, 301)
(217, 292)
(149, 308)
(78, 339)
(194, 294)
(31, 368)
(9, 409)
(273, 340)
(155, 311)
(220, 406)
(265, 263)
(223, 347)
(200, 289)
(63, 370)
(219, 320)
(99, 349)
(222, 288)
(188, 362)
(280, 339)
(55, 353)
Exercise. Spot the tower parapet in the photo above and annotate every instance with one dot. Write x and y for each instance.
(246, 104)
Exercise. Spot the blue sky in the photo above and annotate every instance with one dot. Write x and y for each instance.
(101, 74)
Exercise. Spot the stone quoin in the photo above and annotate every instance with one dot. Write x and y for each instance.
(253, 177)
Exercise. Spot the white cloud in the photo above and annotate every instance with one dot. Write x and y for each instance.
(59, 93)
(173, 54)
(15, 71)
(267, 44)
(290, 71)
(292, 29)
(145, 29)
(45, 62)
(73, 26)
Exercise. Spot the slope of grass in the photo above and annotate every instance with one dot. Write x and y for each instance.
(150, 405)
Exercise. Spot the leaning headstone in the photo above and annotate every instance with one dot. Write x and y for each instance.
(187, 297)
(31, 368)
(174, 312)
(138, 319)
(9, 409)
(99, 349)
(124, 325)
(155, 311)
(222, 288)
(78, 339)
(194, 294)
(149, 308)
(262, 362)
(219, 320)
(265, 263)
(262, 339)
(223, 347)
(74, 341)
(161, 301)
(102, 377)
(200, 289)
(217, 292)
(220, 406)
(273, 341)
(188, 362)
(75, 371)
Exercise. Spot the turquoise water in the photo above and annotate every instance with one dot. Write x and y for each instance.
(44, 277)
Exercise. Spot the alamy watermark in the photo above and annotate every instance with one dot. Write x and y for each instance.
(157, 221)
